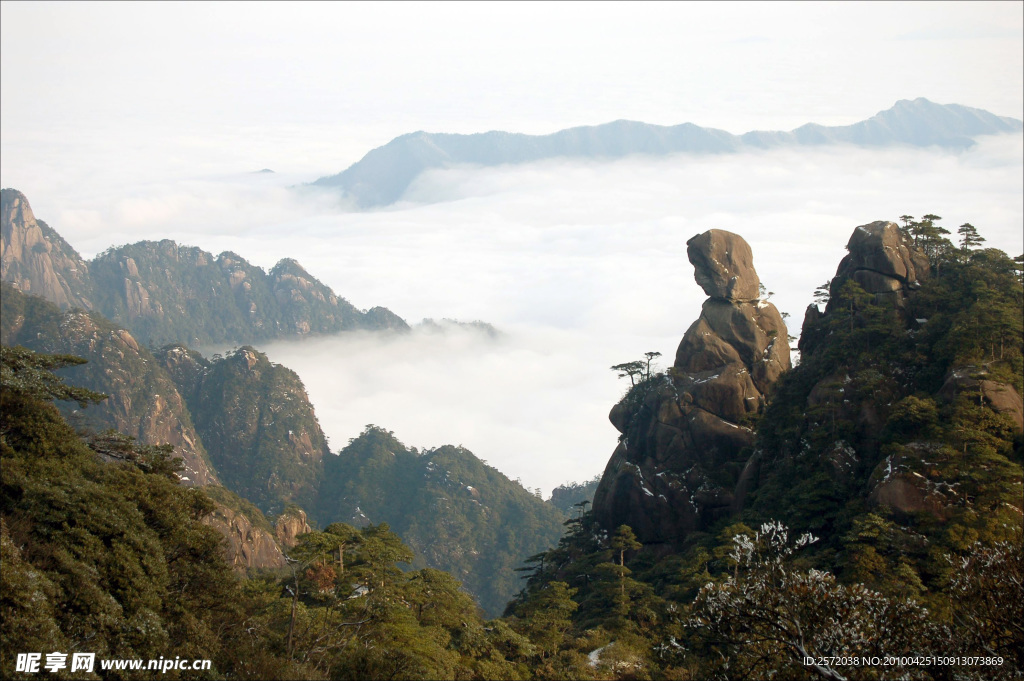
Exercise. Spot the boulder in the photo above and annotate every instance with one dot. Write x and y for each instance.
(882, 248)
(1000, 397)
(884, 261)
(723, 265)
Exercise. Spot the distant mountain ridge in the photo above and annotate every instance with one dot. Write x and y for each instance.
(382, 176)
(164, 292)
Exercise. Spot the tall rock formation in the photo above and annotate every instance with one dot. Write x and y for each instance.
(905, 398)
(684, 459)
(36, 260)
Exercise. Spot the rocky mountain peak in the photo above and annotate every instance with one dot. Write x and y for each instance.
(884, 261)
(36, 260)
(165, 292)
(723, 265)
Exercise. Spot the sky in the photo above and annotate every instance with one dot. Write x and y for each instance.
(125, 121)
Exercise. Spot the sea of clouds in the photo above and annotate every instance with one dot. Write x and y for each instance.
(580, 265)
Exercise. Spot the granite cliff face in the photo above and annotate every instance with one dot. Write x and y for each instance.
(251, 540)
(143, 400)
(246, 544)
(36, 260)
(684, 456)
(163, 292)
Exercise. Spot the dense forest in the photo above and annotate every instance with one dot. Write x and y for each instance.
(456, 512)
(880, 536)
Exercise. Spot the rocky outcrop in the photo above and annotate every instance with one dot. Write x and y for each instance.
(247, 544)
(142, 399)
(1000, 397)
(684, 457)
(36, 260)
(883, 260)
(289, 526)
(251, 540)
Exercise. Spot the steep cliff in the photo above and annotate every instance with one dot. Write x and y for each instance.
(143, 400)
(36, 260)
(257, 423)
(684, 456)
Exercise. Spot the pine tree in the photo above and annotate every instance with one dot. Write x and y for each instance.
(969, 237)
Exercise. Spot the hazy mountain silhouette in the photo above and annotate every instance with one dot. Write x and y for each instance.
(382, 175)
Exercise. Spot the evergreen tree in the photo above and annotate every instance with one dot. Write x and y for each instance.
(969, 237)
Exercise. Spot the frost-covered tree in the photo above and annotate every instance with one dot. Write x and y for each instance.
(772, 618)
(987, 586)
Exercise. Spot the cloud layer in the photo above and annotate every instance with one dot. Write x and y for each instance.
(582, 265)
